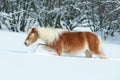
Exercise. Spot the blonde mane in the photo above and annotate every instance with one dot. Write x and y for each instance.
(49, 35)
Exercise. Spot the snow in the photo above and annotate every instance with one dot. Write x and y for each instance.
(18, 62)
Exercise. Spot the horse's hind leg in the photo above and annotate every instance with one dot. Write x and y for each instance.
(101, 55)
(88, 54)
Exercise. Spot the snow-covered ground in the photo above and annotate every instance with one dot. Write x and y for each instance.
(18, 62)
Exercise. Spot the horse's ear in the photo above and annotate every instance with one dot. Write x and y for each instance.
(34, 29)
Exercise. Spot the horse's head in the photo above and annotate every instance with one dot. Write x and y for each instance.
(32, 36)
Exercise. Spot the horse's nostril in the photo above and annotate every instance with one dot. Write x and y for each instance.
(25, 44)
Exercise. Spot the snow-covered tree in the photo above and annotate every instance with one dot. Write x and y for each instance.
(98, 15)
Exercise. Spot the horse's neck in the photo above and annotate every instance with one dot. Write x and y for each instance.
(49, 35)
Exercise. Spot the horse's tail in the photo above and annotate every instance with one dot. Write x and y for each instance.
(95, 44)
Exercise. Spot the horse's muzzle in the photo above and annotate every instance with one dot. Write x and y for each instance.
(26, 44)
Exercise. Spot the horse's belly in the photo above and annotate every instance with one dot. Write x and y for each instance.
(75, 50)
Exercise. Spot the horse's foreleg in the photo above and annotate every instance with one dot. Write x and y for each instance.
(48, 48)
(38, 46)
(59, 52)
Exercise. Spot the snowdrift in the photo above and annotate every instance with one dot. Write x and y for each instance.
(18, 62)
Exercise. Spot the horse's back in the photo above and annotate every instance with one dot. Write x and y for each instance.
(81, 36)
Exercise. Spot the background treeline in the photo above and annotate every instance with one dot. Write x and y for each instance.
(99, 15)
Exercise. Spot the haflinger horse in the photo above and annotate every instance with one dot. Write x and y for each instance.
(62, 41)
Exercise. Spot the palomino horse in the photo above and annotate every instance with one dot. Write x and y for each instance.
(62, 41)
